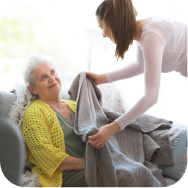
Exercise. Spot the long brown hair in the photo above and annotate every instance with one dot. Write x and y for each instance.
(120, 17)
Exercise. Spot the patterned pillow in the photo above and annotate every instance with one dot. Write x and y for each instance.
(112, 98)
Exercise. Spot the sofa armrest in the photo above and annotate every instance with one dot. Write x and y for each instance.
(170, 181)
(12, 151)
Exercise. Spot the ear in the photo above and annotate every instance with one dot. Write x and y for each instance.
(32, 90)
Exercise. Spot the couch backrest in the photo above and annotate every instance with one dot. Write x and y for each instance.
(6, 101)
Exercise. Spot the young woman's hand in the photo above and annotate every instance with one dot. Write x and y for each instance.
(104, 134)
(98, 78)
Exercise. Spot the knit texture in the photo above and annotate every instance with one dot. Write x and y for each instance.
(45, 141)
(131, 156)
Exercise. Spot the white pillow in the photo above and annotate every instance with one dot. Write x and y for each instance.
(64, 92)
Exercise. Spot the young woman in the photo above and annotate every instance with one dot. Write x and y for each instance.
(161, 47)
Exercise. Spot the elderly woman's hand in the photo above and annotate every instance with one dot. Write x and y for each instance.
(104, 134)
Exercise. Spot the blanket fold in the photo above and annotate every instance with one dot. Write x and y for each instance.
(131, 156)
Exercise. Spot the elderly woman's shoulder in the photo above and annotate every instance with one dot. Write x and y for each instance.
(37, 106)
(70, 103)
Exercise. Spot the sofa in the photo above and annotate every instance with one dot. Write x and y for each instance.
(13, 150)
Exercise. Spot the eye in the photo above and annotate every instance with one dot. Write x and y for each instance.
(53, 72)
(43, 77)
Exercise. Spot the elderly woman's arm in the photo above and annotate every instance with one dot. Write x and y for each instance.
(71, 163)
(38, 138)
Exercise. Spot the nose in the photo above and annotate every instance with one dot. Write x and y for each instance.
(51, 78)
(103, 34)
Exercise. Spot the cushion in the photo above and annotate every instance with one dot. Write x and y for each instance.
(170, 181)
(180, 163)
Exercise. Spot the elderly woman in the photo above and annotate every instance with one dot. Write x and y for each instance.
(48, 127)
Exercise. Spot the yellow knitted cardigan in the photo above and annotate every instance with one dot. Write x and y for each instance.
(45, 141)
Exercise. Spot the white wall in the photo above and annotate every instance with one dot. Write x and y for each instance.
(67, 22)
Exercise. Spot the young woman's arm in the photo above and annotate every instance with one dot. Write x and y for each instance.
(152, 48)
(129, 70)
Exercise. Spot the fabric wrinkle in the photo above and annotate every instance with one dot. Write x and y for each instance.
(121, 162)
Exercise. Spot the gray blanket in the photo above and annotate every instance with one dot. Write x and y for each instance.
(131, 157)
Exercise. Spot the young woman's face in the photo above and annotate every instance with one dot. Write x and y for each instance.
(105, 30)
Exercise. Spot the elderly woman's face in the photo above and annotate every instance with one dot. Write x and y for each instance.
(47, 82)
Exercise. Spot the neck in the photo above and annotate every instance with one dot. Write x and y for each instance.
(52, 102)
(138, 34)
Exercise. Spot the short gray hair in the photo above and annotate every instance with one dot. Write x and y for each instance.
(32, 61)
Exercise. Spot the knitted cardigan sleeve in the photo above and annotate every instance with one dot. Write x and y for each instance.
(44, 138)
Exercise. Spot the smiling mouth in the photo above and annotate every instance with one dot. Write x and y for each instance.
(53, 85)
